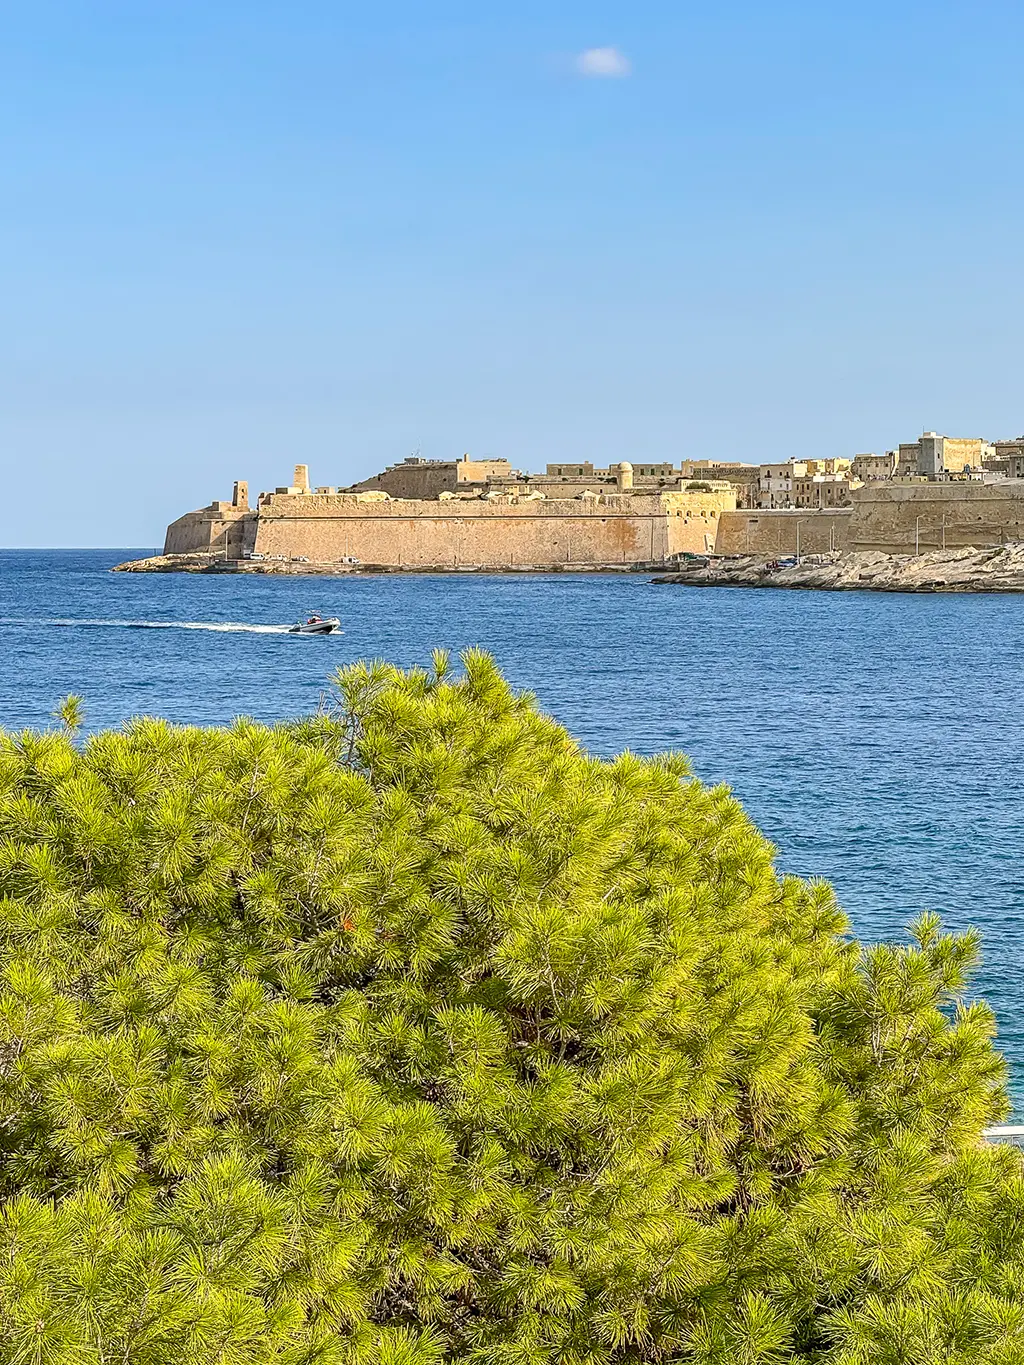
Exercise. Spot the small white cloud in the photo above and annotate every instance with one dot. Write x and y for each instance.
(603, 61)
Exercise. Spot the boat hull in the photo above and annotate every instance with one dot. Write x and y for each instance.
(326, 627)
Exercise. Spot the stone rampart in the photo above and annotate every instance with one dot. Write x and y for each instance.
(783, 532)
(498, 532)
(222, 528)
(900, 518)
(521, 527)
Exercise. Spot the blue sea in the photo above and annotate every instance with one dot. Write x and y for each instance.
(877, 739)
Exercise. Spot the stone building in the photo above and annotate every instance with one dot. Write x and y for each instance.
(824, 490)
(789, 485)
(745, 478)
(868, 467)
(652, 475)
(571, 477)
(1008, 458)
(936, 457)
(775, 485)
(418, 478)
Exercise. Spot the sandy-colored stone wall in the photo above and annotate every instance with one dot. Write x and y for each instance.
(219, 527)
(694, 518)
(613, 528)
(898, 517)
(960, 453)
(778, 532)
(496, 533)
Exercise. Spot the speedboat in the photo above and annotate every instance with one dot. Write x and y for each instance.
(316, 625)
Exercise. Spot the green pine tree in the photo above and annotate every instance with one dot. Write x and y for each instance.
(411, 1033)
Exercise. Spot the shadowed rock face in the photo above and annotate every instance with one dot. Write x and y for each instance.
(1000, 569)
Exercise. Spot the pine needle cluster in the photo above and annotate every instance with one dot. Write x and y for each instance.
(411, 1033)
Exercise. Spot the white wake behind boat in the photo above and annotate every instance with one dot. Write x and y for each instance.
(317, 625)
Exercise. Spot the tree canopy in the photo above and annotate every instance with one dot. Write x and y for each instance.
(410, 1032)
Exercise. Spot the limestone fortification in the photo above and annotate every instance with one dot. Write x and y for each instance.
(462, 514)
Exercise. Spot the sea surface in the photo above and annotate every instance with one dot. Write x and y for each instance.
(877, 739)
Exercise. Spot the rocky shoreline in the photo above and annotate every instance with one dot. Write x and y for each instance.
(996, 569)
(212, 563)
(200, 562)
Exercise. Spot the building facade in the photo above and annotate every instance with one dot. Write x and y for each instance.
(775, 485)
(937, 457)
(869, 467)
(418, 478)
(805, 483)
(1008, 458)
(823, 491)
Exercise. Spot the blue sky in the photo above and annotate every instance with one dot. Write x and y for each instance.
(237, 236)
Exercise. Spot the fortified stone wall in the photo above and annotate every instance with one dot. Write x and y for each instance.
(897, 518)
(490, 533)
(776, 533)
(693, 519)
(222, 527)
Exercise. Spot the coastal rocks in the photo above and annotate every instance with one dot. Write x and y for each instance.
(216, 563)
(191, 563)
(210, 563)
(998, 569)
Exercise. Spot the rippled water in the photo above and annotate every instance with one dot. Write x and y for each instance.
(877, 739)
